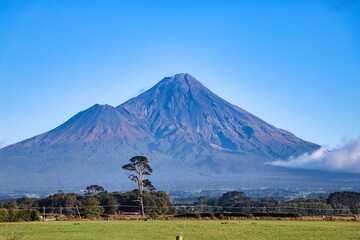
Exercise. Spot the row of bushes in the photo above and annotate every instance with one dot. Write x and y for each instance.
(16, 215)
(225, 215)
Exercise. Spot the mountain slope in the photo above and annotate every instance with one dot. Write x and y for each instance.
(98, 123)
(193, 138)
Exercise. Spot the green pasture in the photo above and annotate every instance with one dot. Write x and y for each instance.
(206, 230)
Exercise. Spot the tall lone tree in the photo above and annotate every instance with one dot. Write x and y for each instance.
(139, 168)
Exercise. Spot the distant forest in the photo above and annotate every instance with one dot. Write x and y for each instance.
(97, 203)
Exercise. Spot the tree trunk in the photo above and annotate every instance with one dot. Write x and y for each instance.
(142, 206)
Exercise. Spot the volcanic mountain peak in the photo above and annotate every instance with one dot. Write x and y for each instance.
(177, 113)
(181, 110)
(186, 129)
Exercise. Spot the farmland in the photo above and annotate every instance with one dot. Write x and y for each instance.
(194, 229)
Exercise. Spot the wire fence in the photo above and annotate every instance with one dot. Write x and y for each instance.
(198, 207)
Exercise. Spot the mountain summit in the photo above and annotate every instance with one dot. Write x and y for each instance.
(193, 138)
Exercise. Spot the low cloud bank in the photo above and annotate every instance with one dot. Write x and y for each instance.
(342, 159)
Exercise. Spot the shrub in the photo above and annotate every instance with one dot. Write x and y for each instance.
(91, 208)
(4, 215)
(14, 215)
(34, 215)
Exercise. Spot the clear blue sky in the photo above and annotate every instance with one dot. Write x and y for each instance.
(295, 64)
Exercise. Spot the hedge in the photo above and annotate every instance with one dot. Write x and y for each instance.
(16, 215)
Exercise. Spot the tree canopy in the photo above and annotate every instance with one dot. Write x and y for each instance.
(139, 168)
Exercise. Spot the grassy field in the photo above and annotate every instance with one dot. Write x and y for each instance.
(157, 230)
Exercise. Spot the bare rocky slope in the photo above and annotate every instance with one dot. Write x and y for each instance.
(192, 137)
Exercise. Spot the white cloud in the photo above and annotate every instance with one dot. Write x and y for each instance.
(140, 91)
(342, 159)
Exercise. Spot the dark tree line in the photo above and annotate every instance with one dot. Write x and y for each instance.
(97, 202)
(93, 204)
(338, 203)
